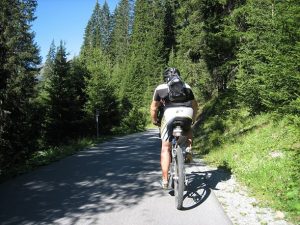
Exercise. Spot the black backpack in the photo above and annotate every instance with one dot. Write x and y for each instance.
(177, 90)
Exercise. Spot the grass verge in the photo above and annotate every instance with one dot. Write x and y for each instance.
(264, 154)
(49, 155)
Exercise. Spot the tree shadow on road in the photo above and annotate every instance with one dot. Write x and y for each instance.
(108, 177)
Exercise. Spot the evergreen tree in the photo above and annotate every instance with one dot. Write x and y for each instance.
(78, 75)
(120, 40)
(50, 58)
(106, 27)
(98, 30)
(99, 91)
(286, 66)
(92, 36)
(44, 85)
(206, 47)
(59, 113)
(188, 53)
(146, 61)
(18, 62)
(61, 91)
(268, 78)
(170, 27)
(120, 44)
(46, 73)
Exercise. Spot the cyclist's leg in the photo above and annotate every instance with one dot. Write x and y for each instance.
(189, 138)
(165, 158)
(189, 143)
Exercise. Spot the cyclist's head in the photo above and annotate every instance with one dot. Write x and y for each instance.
(169, 73)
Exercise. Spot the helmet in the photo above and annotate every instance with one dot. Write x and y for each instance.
(170, 72)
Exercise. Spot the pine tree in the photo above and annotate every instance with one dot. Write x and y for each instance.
(106, 27)
(92, 36)
(50, 58)
(120, 40)
(46, 73)
(170, 27)
(206, 45)
(99, 91)
(120, 44)
(78, 75)
(59, 114)
(98, 30)
(184, 32)
(18, 62)
(286, 65)
(267, 77)
(147, 62)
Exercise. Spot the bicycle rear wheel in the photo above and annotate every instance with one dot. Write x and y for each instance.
(179, 181)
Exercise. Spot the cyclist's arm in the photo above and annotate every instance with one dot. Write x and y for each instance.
(153, 111)
(191, 98)
(195, 109)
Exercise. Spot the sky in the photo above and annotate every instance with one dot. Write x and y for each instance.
(63, 20)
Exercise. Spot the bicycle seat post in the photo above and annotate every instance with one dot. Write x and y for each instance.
(177, 131)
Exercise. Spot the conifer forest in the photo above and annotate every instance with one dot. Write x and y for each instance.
(237, 55)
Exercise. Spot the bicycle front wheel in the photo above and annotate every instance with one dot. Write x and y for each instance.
(179, 181)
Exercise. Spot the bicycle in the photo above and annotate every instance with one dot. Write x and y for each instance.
(177, 176)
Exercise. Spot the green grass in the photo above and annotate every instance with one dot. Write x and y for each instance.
(263, 152)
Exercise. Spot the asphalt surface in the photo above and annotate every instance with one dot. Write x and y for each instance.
(114, 183)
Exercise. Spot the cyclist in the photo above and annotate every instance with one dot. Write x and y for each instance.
(161, 97)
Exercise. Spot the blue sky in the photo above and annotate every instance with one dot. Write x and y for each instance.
(63, 20)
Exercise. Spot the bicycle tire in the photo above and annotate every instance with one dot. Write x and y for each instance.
(179, 183)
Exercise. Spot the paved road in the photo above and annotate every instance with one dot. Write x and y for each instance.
(114, 183)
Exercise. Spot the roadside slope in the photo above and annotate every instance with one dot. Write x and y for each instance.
(262, 152)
